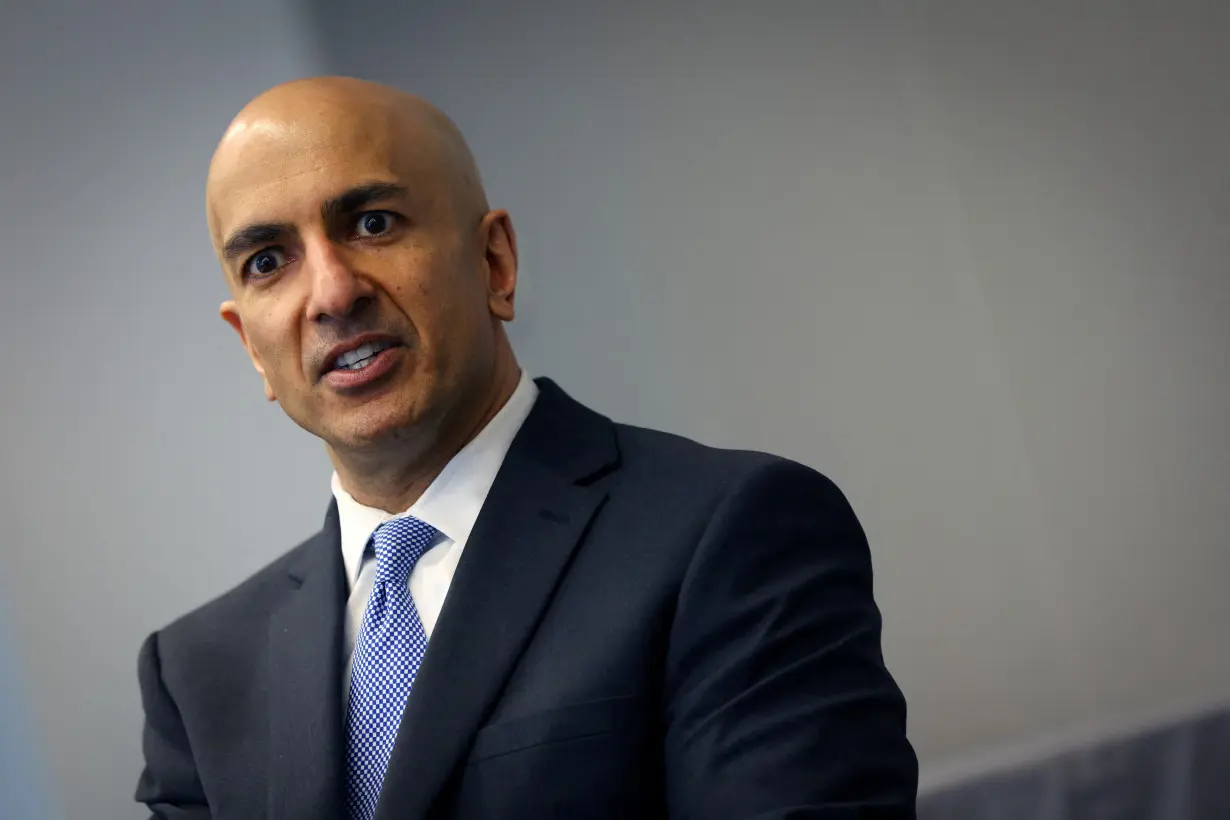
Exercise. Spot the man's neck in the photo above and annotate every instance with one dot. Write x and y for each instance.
(396, 478)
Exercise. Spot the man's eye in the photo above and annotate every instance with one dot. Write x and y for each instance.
(374, 223)
(264, 263)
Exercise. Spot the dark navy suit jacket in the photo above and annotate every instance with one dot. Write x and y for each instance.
(639, 627)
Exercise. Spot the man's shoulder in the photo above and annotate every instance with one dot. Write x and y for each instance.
(653, 459)
(241, 606)
(669, 460)
(657, 446)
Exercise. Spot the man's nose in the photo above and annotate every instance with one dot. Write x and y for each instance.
(339, 290)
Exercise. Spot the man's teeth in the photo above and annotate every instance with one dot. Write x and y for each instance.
(360, 357)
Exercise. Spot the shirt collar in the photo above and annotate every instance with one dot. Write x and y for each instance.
(452, 502)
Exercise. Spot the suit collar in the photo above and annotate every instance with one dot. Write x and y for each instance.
(566, 438)
(306, 749)
(539, 506)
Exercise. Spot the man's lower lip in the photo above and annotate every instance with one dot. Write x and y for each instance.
(380, 364)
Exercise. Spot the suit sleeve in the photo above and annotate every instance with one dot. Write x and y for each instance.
(169, 784)
(778, 702)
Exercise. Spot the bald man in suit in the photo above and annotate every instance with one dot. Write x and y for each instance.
(515, 608)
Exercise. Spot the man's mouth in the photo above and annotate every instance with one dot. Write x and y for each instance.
(362, 356)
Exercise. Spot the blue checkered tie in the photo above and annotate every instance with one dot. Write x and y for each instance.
(387, 654)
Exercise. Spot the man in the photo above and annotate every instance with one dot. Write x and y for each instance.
(516, 608)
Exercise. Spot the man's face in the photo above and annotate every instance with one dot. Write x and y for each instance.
(363, 290)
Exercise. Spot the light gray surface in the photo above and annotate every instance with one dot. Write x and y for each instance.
(970, 260)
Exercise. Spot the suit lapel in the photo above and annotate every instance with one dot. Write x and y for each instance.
(306, 750)
(533, 518)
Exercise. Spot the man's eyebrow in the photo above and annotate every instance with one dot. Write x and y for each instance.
(356, 198)
(252, 237)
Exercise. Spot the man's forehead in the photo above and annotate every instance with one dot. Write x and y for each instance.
(299, 146)
(275, 174)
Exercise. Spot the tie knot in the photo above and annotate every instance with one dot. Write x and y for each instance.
(398, 545)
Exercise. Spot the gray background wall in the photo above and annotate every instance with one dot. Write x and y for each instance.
(967, 258)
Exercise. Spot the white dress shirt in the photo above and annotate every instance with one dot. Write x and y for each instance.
(450, 504)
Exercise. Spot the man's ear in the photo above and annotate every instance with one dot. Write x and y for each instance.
(230, 312)
(501, 258)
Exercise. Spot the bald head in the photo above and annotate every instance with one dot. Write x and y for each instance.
(297, 125)
(369, 279)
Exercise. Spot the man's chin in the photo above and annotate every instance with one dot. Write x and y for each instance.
(375, 428)
(364, 438)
